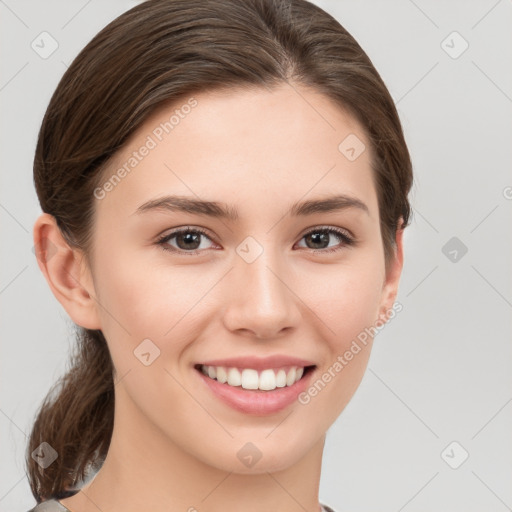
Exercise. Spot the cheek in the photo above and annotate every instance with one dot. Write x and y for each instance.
(346, 298)
(140, 301)
(347, 306)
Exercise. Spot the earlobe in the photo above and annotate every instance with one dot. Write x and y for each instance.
(392, 278)
(65, 271)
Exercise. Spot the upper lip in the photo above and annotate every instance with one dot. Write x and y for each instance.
(259, 363)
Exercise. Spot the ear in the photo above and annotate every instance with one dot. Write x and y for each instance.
(392, 277)
(66, 272)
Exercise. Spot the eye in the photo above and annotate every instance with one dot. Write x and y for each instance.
(319, 237)
(188, 240)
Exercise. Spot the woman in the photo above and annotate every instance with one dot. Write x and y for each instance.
(224, 191)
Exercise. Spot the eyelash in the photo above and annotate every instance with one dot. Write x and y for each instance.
(347, 240)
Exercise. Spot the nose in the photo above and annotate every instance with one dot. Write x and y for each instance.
(262, 302)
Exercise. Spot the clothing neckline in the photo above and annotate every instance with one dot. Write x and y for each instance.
(64, 508)
(325, 508)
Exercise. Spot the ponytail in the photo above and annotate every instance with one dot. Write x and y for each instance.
(76, 419)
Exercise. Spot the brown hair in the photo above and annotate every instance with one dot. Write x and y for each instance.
(159, 52)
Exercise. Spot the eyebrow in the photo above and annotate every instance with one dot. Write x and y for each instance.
(215, 209)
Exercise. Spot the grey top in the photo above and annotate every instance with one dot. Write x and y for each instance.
(50, 506)
(57, 506)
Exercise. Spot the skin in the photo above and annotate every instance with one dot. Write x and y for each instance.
(174, 445)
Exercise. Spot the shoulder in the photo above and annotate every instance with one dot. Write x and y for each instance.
(49, 506)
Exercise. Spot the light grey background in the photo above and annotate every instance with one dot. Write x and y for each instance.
(441, 370)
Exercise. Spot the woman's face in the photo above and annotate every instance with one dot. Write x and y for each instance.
(263, 282)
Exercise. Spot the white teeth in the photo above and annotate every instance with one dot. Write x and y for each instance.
(267, 380)
(222, 375)
(281, 378)
(290, 378)
(234, 377)
(249, 378)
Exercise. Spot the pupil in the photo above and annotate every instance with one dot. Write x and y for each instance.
(189, 237)
(319, 238)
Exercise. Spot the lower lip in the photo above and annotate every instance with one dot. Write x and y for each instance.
(256, 401)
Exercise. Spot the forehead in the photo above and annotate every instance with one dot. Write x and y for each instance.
(240, 146)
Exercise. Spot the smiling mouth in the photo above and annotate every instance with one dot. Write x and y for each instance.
(253, 380)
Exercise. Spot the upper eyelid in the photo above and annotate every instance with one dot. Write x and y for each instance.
(333, 228)
(206, 231)
(181, 229)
